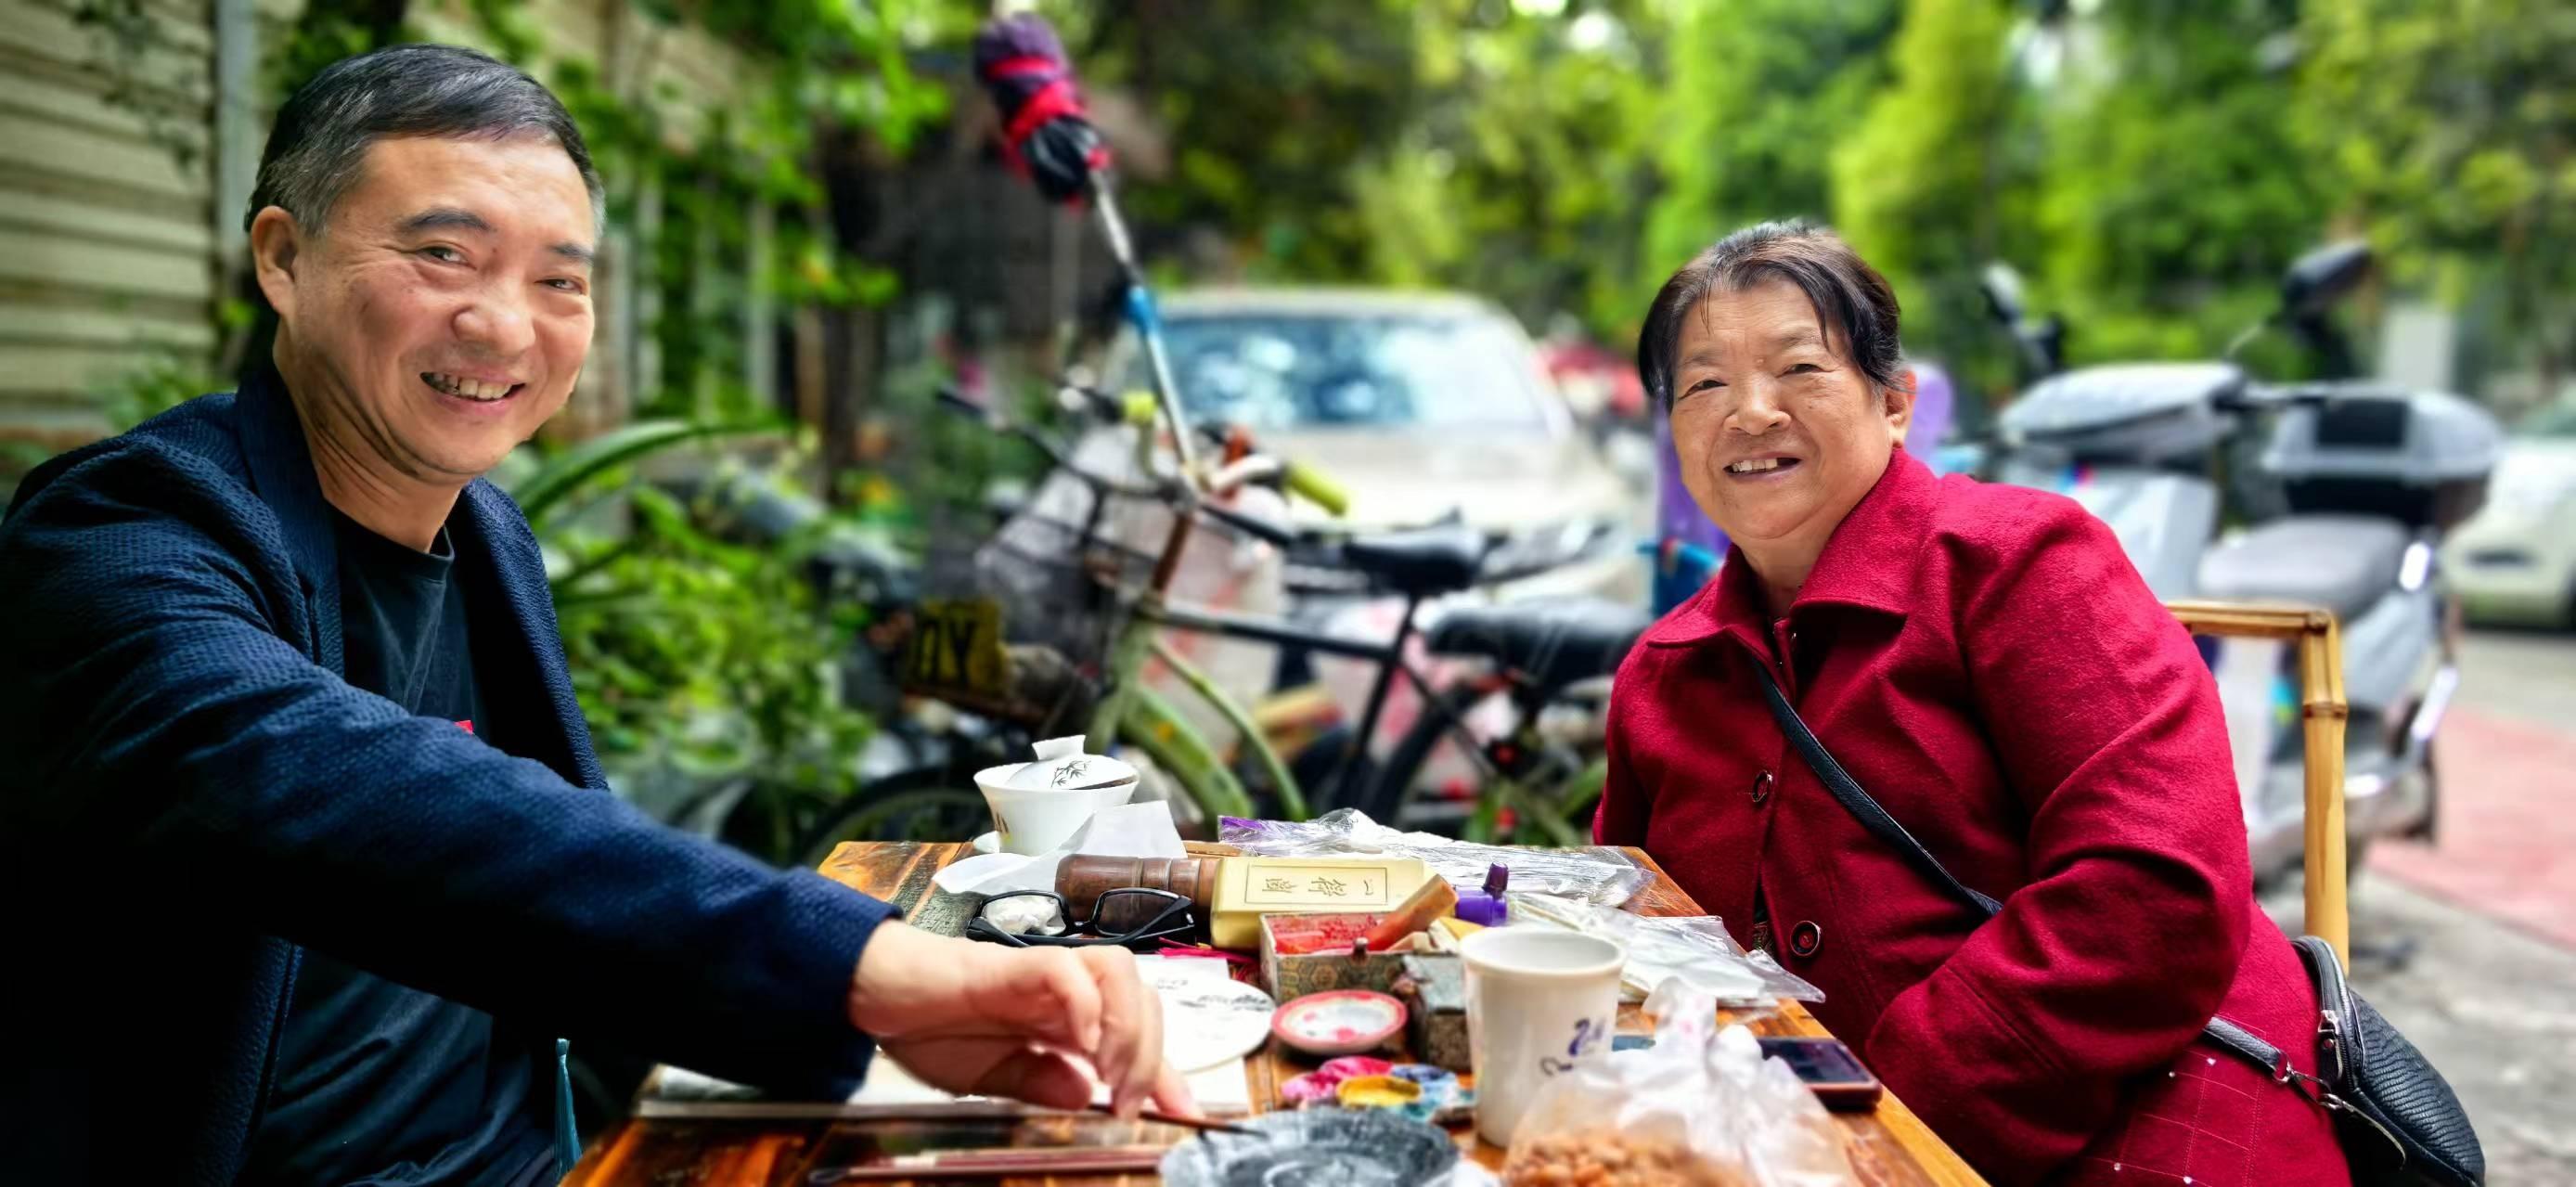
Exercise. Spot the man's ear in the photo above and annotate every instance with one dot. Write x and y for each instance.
(276, 244)
(1900, 404)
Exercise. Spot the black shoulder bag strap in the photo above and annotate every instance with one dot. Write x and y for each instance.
(1848, 792)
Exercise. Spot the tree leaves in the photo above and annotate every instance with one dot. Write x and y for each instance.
(2451, 130)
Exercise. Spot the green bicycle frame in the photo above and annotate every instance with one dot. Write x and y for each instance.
(1144, 718)
(1149, 721)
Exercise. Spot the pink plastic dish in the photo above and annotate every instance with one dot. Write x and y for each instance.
(1341, 1022)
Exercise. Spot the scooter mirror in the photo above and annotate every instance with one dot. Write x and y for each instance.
(2322, 277)
(2048, 345)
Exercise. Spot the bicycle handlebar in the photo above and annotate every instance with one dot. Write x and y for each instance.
(1172, 494)
(1251, 525)
(1311, 484)
(1302, 479)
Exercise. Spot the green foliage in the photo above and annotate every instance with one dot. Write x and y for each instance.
(1457, 143)
(2453, 130)
(1921, 186)
(326, 31)
(1757, 95)
(2174, 190)
(1266, 105)
(2151, 168)
(696, 653)
(1519, 174)
(157, 386)
(565, 474)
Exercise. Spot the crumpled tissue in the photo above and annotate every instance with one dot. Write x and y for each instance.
(1129, 830)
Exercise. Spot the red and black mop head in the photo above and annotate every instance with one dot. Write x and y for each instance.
(1046, 132)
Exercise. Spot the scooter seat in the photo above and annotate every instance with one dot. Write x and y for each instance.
(1554, 641)
(1420, 561)
(2340, 562)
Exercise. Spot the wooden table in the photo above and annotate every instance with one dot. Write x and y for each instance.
(1888, 1147)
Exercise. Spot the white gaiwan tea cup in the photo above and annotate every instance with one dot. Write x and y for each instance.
(1036, 805)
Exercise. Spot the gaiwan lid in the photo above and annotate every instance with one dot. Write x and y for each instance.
(1062, 766)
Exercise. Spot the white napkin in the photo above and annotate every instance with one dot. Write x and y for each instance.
(1129, 830)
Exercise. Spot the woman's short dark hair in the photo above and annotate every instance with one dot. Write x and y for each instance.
(1848, 295)
(319, 142)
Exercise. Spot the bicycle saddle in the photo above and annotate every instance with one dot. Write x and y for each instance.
(1419, 561)
(1553, 641)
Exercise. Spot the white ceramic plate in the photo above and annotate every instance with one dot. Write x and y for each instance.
(1207, 1021)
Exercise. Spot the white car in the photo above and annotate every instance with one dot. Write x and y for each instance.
(2516, 561)
(1422, 405)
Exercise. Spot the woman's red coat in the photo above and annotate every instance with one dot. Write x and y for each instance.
(1988, 664)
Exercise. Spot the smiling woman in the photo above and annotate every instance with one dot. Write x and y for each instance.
(1985, 663)
(1775, 354)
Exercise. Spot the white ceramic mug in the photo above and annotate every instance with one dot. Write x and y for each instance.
(1540, 1002)
(1033, 820)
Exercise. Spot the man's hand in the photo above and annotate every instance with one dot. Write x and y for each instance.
(990, 1020)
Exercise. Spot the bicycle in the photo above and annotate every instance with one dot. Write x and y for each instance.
(1544, 657)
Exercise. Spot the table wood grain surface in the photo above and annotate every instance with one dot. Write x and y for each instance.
(1888, 1147)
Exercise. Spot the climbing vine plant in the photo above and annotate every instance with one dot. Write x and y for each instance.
(814, 69)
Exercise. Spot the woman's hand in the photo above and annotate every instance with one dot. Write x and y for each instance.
(990, 1020)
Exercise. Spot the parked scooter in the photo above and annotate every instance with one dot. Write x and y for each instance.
(2367, 478)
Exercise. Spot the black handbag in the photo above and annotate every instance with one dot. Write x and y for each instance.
(2396, 1118)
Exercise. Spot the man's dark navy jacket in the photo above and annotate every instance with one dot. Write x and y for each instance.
(189, 791)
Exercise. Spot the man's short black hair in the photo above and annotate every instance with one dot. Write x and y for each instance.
(1848, 294)
(320, 140)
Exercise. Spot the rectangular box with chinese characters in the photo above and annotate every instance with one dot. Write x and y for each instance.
(1250, 887)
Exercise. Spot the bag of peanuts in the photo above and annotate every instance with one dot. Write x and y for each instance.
(1702, 1107)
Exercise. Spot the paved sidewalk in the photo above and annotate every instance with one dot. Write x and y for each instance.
(2508, 824)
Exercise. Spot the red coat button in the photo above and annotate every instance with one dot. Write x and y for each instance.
(1805, 938)
(1761, 787)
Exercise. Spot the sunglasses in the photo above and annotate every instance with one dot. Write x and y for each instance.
(1128, 915)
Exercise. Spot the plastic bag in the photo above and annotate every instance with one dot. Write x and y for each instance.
(1693, 948)
(1599, 876)
(1701, 1108)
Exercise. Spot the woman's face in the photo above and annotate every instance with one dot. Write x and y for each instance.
(1778, 432)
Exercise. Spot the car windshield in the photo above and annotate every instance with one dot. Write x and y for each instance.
(1291, 371)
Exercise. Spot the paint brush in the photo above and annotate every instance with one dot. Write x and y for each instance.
(1202, 1124)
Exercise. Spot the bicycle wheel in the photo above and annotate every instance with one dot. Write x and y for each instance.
(923, 804)
(1555, 777)
(1393, 790)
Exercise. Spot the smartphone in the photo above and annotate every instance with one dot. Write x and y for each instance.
(1830, 1070)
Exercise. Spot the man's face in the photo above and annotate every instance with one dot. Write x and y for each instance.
(1778, 433)
(443, 313)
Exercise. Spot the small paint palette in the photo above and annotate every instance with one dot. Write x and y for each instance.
(1339, 1022)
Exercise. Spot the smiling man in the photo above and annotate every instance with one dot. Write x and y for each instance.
(443, 336)
(307, 851)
